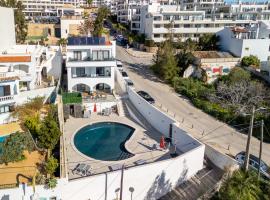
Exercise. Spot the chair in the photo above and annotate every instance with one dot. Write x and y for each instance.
(75, 168)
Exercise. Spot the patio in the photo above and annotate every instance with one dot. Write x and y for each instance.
(140, 144)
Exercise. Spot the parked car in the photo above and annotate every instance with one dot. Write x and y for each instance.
(146, 96)
(253, 162)
(129, 82)
(119, 65)
(125, 75)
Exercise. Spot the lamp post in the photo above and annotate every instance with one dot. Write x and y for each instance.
(131, 189)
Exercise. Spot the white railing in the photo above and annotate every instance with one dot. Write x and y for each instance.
(2, 75)
(6, 98)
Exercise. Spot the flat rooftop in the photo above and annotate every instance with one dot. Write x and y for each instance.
(87, 41)
(212, 54)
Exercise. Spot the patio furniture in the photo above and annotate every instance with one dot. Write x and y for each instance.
(140, 162)
(80, 168)
(75, 168)
(115, 167)
(86, 170)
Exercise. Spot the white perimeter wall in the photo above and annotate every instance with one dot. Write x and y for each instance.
(149, 181)
(7, 28)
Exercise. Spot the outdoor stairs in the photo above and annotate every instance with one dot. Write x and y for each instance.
(192, 189)
(122, 108)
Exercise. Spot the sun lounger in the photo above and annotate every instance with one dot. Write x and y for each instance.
(115, 167)
(140, 162)
(75, 168)
(80, 168)
(86, 171)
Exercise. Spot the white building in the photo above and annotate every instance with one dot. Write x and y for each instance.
(187, 20)
(49, 7)
(252, 40)
(24, 69)
(90, 64)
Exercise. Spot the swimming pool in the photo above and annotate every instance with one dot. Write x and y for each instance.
(2, 139)
(104, 141)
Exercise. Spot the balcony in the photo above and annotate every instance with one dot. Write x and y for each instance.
(91, 75)
(7, 99)
(87, 59)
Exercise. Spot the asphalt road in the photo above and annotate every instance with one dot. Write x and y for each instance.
(202, 126)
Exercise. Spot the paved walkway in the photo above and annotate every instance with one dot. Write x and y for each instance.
(201, 125)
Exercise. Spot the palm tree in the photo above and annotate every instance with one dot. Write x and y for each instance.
(62, 42)
(241, 186)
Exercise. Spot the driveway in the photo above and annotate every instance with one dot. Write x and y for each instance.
(202, 126)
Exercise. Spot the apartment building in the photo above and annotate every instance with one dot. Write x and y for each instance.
(24, 69)
(90, 64)
(249, 40)
(49, 7)
(187, 20)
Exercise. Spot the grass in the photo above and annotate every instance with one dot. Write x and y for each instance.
(71, 98)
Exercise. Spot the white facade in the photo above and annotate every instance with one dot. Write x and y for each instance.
(156, 20)
(49, 7)
(7, 24)
(242, 42)
(90, 67)
(66, 23)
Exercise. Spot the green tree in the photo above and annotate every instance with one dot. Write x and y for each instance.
(241, 186)
(20, 23)
(238, 74)
(49, 133)
(165, 64)
(62, 42)
(12, 149)
(250, 61)
(89, 2)
(33, 125)
(51, 166)
(87, 27)
(102, 14)
(208, 42)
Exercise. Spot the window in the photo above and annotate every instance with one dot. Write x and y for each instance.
(5, 90)
(176, 25)
(246, 49)
(156, 35)
(100, 71)
(198, 25)
(186, 25)
(77, 55)
(100, 55)
(80, 71)
(157, 18)
(157, 25)
(166, 17)
(186, 17)
(177, 17)
(269, 48)
(4, 109)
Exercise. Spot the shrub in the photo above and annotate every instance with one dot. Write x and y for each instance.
(149, 43)
(51, 166)
(51, 183)
(250, 61)
(33, 125)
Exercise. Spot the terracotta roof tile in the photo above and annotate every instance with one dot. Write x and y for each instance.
(15, 58)
(11, 78)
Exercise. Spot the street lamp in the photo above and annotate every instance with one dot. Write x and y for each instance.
(131, 189)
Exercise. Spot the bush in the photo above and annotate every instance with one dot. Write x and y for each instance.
(250, 61)
(33, 125)
(51, 183)
(149, 43)
(51, 166)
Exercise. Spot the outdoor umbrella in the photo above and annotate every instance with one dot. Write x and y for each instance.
(162, 142)
(95, 107)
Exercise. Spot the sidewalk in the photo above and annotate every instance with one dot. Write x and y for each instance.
(138, 54)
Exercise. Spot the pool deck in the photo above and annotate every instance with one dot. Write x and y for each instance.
(6, 129)
(140, 144)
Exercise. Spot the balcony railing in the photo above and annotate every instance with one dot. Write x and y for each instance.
(91, 76)
(6, 98)
(90, 59)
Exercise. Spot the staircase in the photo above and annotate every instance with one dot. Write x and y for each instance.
(196, 186)
(122, 108)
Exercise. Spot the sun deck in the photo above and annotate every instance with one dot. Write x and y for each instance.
(140, 144)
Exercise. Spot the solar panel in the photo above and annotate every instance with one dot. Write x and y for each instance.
(86, 41)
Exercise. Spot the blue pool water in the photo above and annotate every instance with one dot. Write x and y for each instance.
(2, 139)
(104, 141)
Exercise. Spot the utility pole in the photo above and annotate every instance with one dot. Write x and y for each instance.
(246, 163)
(260, 153)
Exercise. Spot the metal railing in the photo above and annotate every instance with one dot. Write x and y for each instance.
(6, 98)
(90, 59)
